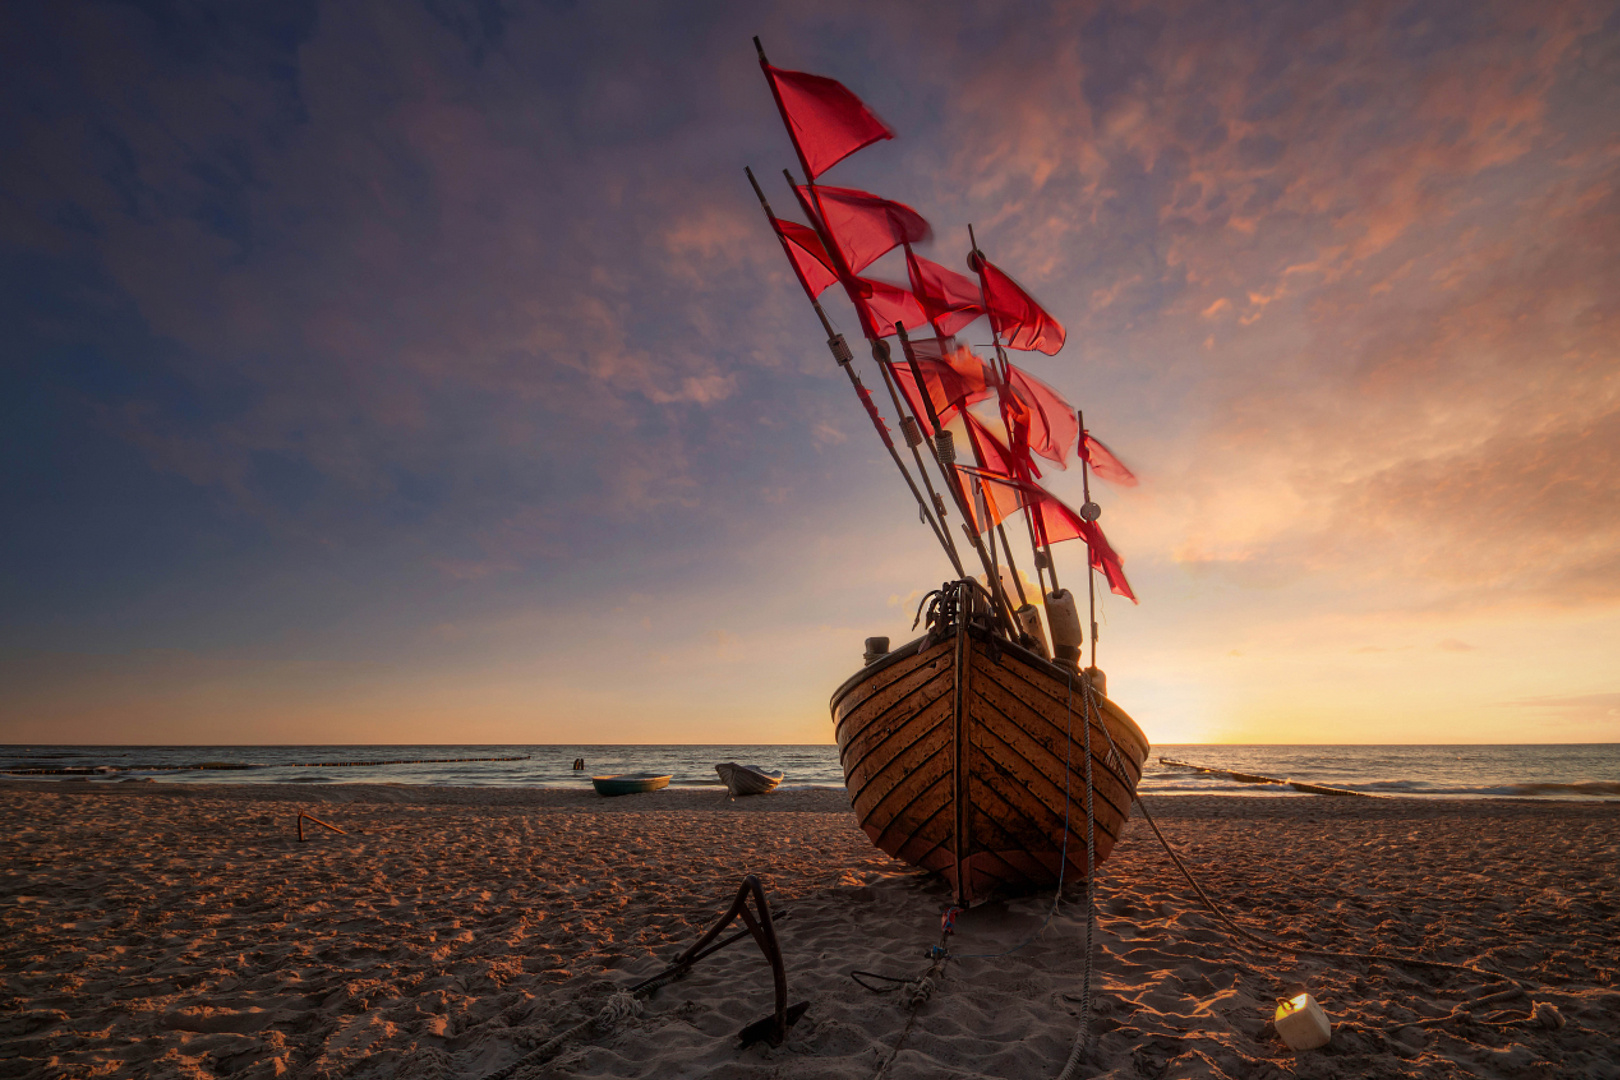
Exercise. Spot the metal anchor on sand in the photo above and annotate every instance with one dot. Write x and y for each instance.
(758, 923)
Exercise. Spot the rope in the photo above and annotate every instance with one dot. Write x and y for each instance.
(923, 989)
(1547, 1016)
(1083, 1030)
(620, 1007)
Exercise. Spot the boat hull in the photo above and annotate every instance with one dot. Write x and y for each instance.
(965, 755)
(629, 785)
(747, 779)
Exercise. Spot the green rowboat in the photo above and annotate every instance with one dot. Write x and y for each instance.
(630, 783)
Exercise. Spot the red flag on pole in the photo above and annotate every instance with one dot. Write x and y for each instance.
(1048, 422)
(954, 376)
(1016, 316)
(885, 304)
(1057, 522)
(1106, 560)
(809, 255)
(864, 226)
(1103, 462)
(950, 299)
(826, 122)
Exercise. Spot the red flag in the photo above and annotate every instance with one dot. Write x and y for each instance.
(1103, 462)
(809, 256)
(1047, 423)
(994, 455)
(955, 379)
(826, 122)
(950, 300)
(1056, 522)
(1013, 312)
(885, 304)
(863, 226)
(1105, 559)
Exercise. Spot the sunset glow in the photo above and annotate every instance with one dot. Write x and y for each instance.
(376, 376)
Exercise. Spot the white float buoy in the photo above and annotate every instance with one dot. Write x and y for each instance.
(1302, 1023)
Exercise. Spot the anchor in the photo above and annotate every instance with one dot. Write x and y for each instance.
(760, 924)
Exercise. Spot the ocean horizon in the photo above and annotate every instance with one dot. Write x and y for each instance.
(1561, 771)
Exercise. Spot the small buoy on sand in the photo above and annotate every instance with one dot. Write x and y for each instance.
(1302, 1023)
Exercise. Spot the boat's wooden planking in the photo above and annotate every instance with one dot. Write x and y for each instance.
(918, 781)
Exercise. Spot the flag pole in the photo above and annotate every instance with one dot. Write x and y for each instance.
(841, 353)
(1005, 373)
(946, 461)
(1091, 574)
(879, 348)
(913, 436)
(978, 456)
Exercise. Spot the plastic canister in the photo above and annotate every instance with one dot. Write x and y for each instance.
(1064, 619)
(1302, 1023)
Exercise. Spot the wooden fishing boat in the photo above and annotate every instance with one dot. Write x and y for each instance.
(966, 751)
(630, 783)
(964, 754)
(748, 779)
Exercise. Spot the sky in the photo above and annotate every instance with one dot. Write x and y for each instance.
(427, 372)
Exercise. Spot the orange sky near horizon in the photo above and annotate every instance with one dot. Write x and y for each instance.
(387, 378)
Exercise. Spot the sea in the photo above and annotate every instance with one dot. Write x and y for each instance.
(1559, 772)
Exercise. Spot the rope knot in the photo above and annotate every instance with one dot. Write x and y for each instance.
(920, 992)
(620, 1007)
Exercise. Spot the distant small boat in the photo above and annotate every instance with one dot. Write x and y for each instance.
(630, 783)
(748, 779)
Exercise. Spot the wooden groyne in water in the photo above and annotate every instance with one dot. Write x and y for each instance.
(1256, 778)
(227, 766)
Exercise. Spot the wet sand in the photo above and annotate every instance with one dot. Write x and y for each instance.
(172, 930)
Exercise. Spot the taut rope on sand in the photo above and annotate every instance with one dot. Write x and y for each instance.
(921, 987)
(1541, 1012)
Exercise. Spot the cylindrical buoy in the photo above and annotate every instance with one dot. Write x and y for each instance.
(1064, 620)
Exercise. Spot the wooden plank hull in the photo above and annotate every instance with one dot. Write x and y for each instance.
(630, 783)
(965, 755)
(748, 779)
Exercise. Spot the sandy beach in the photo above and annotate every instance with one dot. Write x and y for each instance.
(184, 931)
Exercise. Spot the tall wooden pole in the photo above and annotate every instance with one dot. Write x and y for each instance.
(953, 479)
(879, 348)
(842, 354)
(1091, 575)
(1004, 372)
(913, 436)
